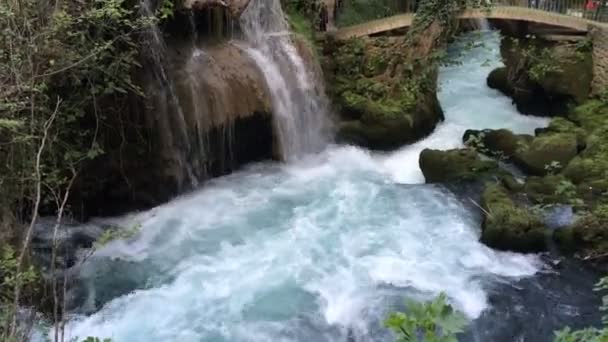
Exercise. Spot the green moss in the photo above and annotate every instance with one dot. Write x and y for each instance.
(455, 165)
(547, 153)
(300, 24)
(361, 85)
(590, 115)
(507, 226)
(588, 236)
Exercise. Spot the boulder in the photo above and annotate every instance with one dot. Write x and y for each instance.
(386, 132)
(546, 153)
(496, 143)
(455, 165)
(507, 226)
(498, 79)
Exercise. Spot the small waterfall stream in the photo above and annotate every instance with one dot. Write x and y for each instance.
(300, 110)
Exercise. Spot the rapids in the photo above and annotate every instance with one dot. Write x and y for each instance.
(321, 248)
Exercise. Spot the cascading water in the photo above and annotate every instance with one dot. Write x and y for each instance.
(174, 138)
(322, 248)
(299, 108)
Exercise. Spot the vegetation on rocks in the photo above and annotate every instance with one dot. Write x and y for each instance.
(568, 164)
(544, 78)
(509, 226)
(386, 86)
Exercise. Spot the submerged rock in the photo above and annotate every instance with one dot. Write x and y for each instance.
(454, 165)
(507, 226)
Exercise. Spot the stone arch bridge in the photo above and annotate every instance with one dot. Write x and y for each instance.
(506, 13)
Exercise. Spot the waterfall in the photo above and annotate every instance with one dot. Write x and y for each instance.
(299, 107)
(173, 131)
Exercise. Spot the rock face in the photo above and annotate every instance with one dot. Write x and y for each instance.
(207, 112)
(507, 226)
(542, 77)
(454, 165)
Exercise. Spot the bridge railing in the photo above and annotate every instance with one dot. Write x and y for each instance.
(352, 12)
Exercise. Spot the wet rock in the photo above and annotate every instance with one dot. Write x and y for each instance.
(455, 165)
(498, 79)
(508, 226)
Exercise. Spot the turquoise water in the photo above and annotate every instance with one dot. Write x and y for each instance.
(314, 250)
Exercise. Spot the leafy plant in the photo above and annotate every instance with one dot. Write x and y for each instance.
(433, 321)
(115, 233)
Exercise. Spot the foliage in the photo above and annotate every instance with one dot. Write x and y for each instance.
(65, 80)
(540, 60)
(10, 276)
(359, 11)
(433, 321)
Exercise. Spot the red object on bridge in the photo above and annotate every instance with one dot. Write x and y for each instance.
(591, 5)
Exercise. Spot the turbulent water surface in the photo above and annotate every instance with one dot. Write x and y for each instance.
(322, 248)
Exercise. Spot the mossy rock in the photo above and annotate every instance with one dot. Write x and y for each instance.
(563, 125)
(379, 108)
(552, 189)
(507, 226)
(386, 134)
(496, 143)
(543, 77)
(455, 165)
(547, 153)
(588, 236)
(574, 75)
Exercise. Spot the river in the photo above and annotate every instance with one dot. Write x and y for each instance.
(322, 248)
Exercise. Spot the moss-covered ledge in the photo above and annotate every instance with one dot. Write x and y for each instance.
(381, 105)
(544, 77)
